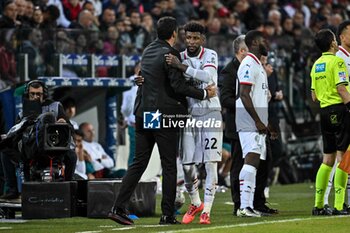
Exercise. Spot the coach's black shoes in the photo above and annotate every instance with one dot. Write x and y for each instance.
(165, 220)
(266, 210)
(120, 216)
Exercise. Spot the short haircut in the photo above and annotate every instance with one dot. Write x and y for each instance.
(53, 11)
(342, 27)
(236, 44)
(79, 132)
(323, 39)
(194, 27)
(251, 36)
(68, 103)
(165, 27)
(6, 3)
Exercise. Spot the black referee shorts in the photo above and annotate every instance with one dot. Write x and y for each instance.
(335, 126)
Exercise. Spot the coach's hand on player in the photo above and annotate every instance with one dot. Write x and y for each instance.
(211, 90)
(262, 129)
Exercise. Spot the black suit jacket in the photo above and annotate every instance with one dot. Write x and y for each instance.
(164, 87)
(228, 85)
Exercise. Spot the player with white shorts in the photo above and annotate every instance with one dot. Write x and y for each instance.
(252, 118)
(201, 143)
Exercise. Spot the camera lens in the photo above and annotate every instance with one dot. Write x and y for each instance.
(57, 137)
(54, 138)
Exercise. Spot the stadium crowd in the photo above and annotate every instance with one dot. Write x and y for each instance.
(45, 27)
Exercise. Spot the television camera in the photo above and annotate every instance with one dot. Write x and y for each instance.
(39, 143)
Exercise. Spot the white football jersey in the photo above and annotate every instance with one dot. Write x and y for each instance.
(345, 55)
(251, 72)
(206, 60)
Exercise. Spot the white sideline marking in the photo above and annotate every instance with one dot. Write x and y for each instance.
(231, 203)
(5, 228)
(88, 231)
(138, 226)
(106, 226)
(253, 224)
(123, 228)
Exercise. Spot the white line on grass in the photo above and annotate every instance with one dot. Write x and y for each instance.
(123, 228)
(231, 203)
(251, 224)
(88, 231)
(138, 226)
(5, 228)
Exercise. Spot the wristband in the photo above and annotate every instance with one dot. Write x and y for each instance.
(207, 92)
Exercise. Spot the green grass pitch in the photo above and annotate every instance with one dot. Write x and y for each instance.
(293, 201)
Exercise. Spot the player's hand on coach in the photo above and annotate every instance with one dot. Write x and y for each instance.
(139, 80)
(172, 60)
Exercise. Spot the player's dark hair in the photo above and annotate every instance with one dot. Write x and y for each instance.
(252, 36)
(323, 39)
(342, 27)
(165, 27)
(194, 27)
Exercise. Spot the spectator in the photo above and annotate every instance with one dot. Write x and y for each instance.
(71, 9)
(80, 168)
(97, 6)
(233, 24)
(31, 46)
(137, 36)
(8, 71)
(91, 7)
(70, 110)
(80, 44)
(110, 44)
(101, 162)
(207, 11)
(108, 19)
(275, 17)
(21, 10)
(114, 5)
(38, 18)
(85, 21)
(29, 10)
(61, 18)
(148, 24)
(51, 16)
(9, 18)
(184, 11)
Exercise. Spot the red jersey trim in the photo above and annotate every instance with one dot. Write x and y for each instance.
(246, 83)
(210, 65)
(201, 53)
(344, 51)
(254, 57)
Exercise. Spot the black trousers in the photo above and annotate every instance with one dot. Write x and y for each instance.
(261, 176)
(9, 170)
(70, 162)
(167, 141)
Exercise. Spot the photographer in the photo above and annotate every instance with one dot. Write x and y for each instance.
(36, 93)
